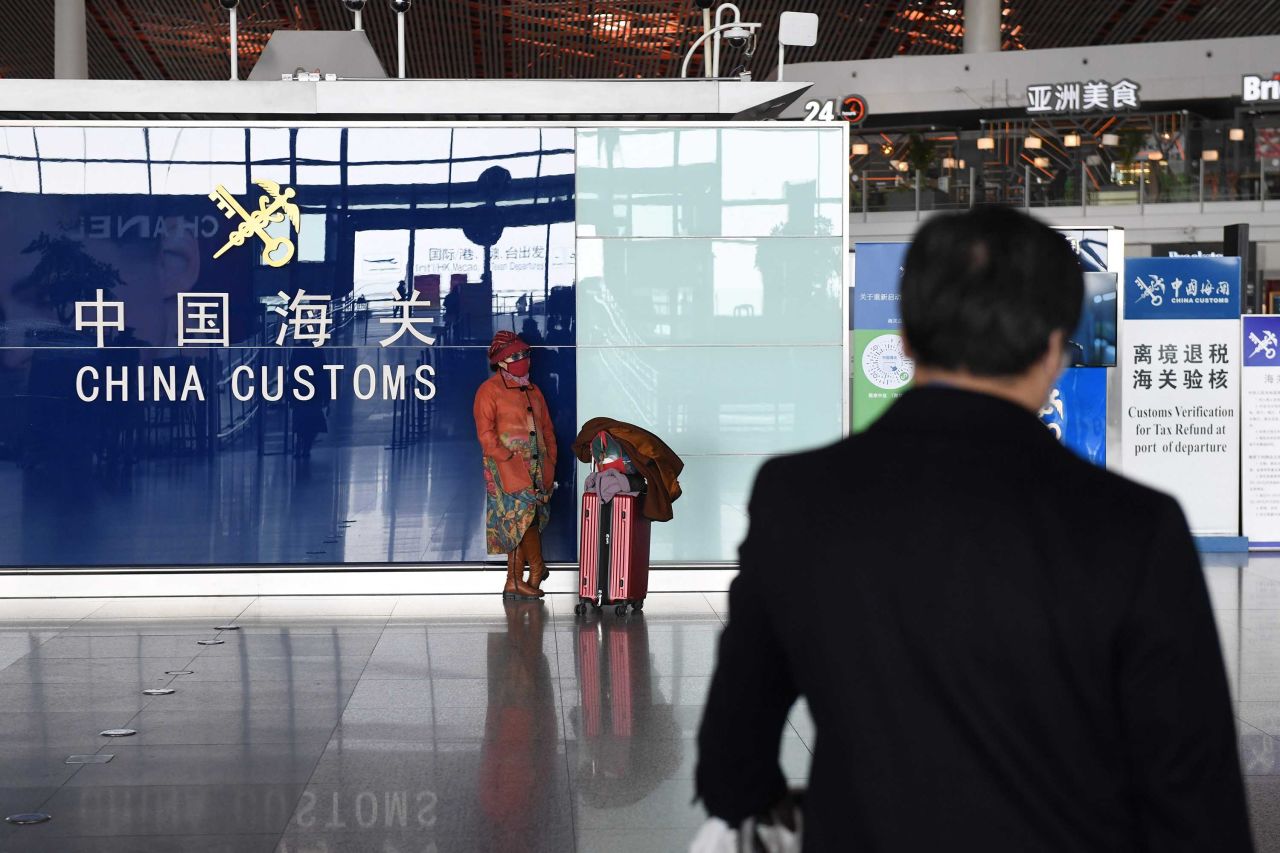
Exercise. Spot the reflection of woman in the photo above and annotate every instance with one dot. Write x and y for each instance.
(518, 755)
(514, 428)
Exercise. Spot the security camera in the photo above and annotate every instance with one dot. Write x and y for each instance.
(704, 4)
(229, 4)
(401, 6)
(737, 36)
(354, 5)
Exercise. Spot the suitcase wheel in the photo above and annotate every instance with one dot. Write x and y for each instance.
(621, 609)
(579, 609)
(637, 606)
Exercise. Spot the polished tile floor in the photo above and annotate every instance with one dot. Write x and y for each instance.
(420, 723)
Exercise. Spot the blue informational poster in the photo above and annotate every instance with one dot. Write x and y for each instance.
(1262, 341)
(1260, 428)
(877, 276)
(1077, 412)
(881, 372)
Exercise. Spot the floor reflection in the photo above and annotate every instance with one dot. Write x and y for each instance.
(628, 739)
(416, 723)
(519, 752)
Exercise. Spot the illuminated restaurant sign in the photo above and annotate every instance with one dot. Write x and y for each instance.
(1093, 96)
(1261, 89)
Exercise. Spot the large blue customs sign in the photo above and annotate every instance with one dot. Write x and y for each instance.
(247, 346)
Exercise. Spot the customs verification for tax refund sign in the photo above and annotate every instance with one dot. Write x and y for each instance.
(881, 372)
(1260, 456)
(1180, 385)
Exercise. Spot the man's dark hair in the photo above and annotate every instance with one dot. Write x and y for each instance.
(983, 290)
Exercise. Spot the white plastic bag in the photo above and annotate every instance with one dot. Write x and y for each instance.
(715, 836)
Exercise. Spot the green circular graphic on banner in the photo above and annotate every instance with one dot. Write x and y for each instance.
(885, 364)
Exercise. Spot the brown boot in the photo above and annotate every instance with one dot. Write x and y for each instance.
(516, 587)
(531, 550)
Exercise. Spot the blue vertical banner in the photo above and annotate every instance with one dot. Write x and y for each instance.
(881, 371)
(1180, 385)
(1260, 433)
(1077, 412)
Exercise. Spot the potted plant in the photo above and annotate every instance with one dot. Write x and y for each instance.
(920, 154)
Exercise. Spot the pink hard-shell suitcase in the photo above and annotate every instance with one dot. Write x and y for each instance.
(614, 553)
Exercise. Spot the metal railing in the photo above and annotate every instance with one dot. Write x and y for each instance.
(880, 190)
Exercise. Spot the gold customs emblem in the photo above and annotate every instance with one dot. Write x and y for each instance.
(273, 206)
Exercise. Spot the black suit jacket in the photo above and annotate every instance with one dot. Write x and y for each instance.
(1002, 646)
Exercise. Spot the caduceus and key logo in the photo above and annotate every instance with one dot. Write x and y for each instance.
(274, 206)
(1266, 345)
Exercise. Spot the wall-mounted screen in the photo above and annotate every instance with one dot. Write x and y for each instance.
(1093, 344)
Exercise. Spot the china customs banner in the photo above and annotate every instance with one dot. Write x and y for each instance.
(211, 356)
(1260, 457)
(881, 371)
(1180, 385)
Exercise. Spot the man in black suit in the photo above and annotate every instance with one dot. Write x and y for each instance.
(1003, 647)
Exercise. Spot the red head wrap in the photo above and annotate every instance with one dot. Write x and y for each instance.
(505, 344)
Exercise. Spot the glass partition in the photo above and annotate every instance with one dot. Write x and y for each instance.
(206, 354)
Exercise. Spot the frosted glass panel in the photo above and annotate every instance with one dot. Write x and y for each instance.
(693, 291)
(718, 399)
(773, 161)
(711, 304)
(114, 177)
(700, 182)
(116, 143)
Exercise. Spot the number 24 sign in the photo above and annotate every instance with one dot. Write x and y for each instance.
(853, 109)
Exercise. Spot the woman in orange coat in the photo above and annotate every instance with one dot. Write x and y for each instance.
(514, 428)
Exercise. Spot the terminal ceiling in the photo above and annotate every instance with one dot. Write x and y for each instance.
(187, 39)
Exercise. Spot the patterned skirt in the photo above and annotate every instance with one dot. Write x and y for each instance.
(509, 514)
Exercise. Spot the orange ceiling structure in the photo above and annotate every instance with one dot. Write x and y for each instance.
(187, 39)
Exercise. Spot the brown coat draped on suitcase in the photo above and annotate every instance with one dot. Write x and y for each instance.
(657, 463)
